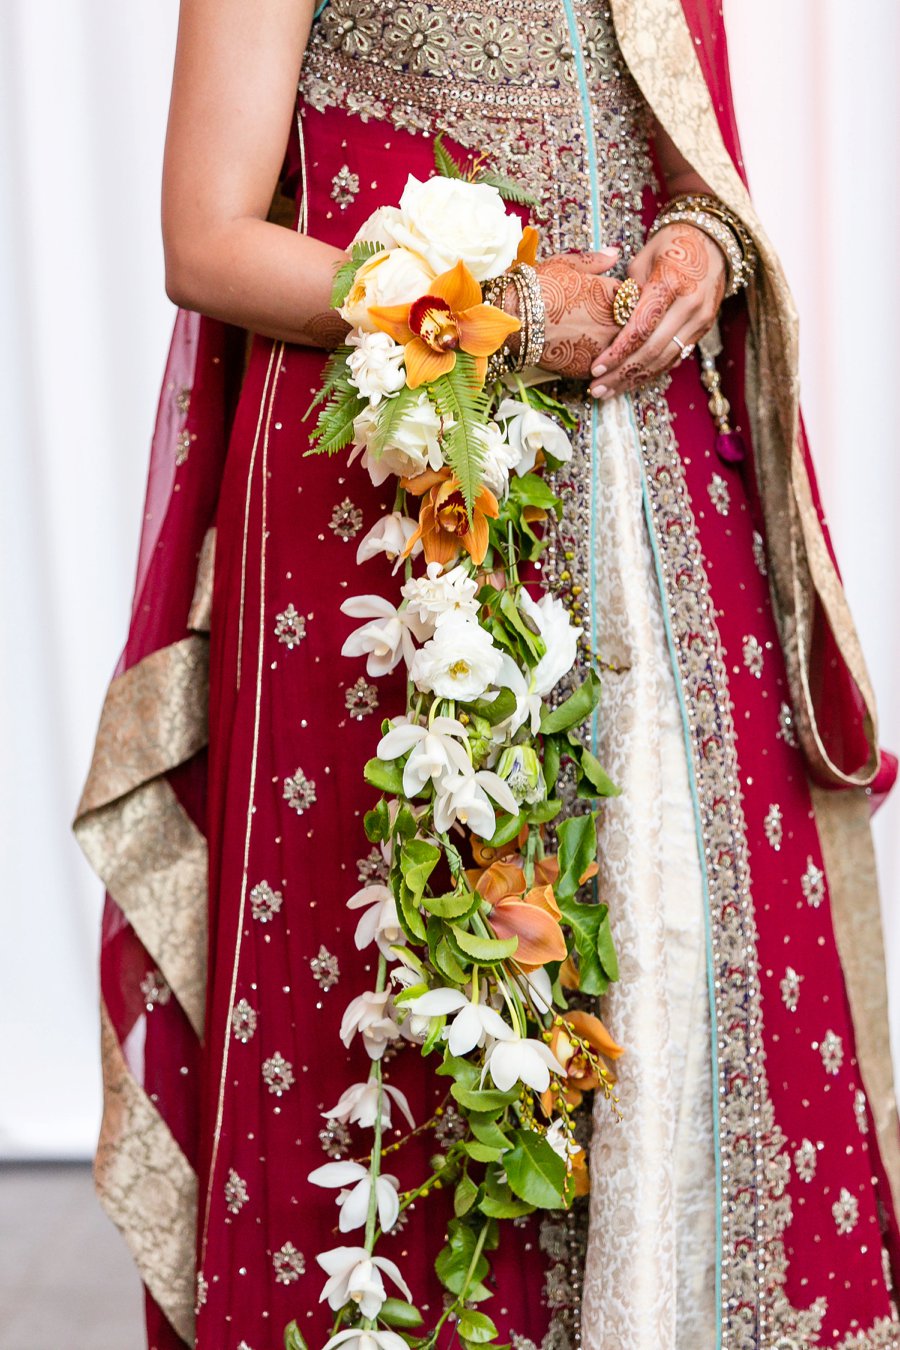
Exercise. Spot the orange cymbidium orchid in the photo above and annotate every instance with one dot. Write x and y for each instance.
(532, 915)
(444, 526)
(451, 317)
(583, 1070)
(528, 246)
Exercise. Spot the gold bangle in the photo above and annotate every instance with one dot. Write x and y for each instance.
(625, 301)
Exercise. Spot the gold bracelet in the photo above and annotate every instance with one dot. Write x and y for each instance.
(534, 316)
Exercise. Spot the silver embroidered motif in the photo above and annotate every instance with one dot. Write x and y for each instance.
(790, 989)
(155, 990)
(787, 730)
(759, 553)
(243, 1021)
(325, 969)
(236, 1194)
(344, 186)
(860, 1111)
(773, 826)
(831, 1048)
(361, 698)
(202, 1291)
(371, 868)
(182, 447)
(183, 401)
(288, 1263)
(346, 520)
(278, 1074)
(450, 1127)
(299, 792)
(265, 903)
(813, 884)
(846, 1211)
(805, 1159)
(335, 1139)
(290, 627)
(753, 655)
(719, 494)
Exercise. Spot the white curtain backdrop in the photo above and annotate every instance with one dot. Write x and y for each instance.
(83, 92)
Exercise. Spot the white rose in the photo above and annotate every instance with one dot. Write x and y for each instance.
(414, 447)
(560, 638)
(499, 460)
(432, 598)
(529, 431)
(375, 229)
(459, 662)
(376, 365)
(444, 220)
(391, 277)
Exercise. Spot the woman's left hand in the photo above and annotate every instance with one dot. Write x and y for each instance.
(681, 273)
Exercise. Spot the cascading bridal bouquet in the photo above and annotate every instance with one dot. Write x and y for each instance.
(482, 927)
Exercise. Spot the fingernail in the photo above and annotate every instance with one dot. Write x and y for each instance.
(599, 390)
(598, 370)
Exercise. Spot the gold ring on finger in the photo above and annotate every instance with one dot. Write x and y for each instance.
(685, 348)
(625, 301)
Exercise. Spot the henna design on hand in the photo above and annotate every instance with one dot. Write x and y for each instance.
(571, 357)
(578, 306)
(326, 330)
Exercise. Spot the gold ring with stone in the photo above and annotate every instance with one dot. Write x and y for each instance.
(686, 348)
(625, 301)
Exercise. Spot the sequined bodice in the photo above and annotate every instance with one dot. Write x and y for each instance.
(536, 87)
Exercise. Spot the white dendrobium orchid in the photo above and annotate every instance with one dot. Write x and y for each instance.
(537, 986)
(436, 751)
(389, 536)
(500, 458)
(355, 1277)
(368, 1015)
(560, 638)
(529, 431)
(528, 702)
(380, 922)
(354, 1338)
(384, 640)
(562, 1143)
(467, 798)
(521, 1061)
(459, 662)
(358, 1105)
(437, 594)
(376, 365)
(473, 1022)
(354, 1203)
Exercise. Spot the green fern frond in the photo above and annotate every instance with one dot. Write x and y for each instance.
(458, 395)
(334, 376)
(391, 412)
(509, 191)
(443, 160)
(334, 429)
(343, 277)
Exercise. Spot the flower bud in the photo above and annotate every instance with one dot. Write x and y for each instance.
(520, 766)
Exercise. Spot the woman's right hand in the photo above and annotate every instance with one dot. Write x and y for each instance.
(578, 300)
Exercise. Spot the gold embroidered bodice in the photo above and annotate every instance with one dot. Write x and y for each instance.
(542, 89)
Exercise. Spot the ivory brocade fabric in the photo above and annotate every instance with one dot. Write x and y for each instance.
(748, 1197)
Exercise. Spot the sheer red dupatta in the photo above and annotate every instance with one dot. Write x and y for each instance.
(840, 708)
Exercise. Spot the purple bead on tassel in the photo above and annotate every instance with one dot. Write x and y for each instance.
(730, 447)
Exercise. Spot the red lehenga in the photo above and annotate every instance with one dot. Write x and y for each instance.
(225, 800)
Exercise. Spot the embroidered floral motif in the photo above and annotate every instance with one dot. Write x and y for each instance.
(155, 990)
(773, 826)
(325, 969)
(299, 792)
(278, 1074)
(846, 1211)
(264, 902)
(351, 26)
(813, 884)
(243, 1021)
(344, 186)
(289, 1264)
(183, 401)
(759, 553)
(361, 698)
(786, 729)
(554, 53)
(790, 989)
(831, 1048)
(371, 868)
(753, 655)
(236, 1194)
(346, 520)
(490, 48)
(417, 38)
(719, 494)
(805, 1159)
(202, 1291)
(881, 1335)
(335, 1139)
(290, 627)
(860, 1111)
(183, 447)
(449, 1127)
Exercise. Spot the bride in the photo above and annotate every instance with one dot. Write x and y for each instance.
(745, 1192)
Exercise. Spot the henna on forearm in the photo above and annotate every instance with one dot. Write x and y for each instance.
(579, 320)
(327, 330)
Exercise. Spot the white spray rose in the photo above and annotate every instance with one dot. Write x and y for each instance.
(375, 230)
(529, 431)
(391, 277)
(445, 220)
(415, 444)
(439, 593)
(459, 662)
(376, 365)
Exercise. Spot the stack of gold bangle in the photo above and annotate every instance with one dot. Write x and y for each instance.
(723, 226)
(532, 316)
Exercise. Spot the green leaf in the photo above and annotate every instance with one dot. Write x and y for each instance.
(483, 1153)
(447, 963)
(444, 162)
(537, 397)
(404, 824)
(540, 812)
(509, 191)
(532, 490)
(377, 823)
(503, 1209)
(576, 709)
(454, 1260)
(522, 627)
(606, 948)
(385, 774)
(483, 1099)
(507, 828)
(293, 1340)
(577, 839)
(334, 375)
(453, 905)
(486, 951)
(395, 1312)
(595, 775)
(408, 913)
(464, 1196)
(459, 395)
(463, 1070)
(434, 1034)
(551, 760)
(345, 274)
(334, 427)
(476, 1327)
(587, 923)
(418, 860)
(534, 1171)
(493, 710)
(486, 1131)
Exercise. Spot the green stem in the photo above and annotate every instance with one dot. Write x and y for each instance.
(375, 1158)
